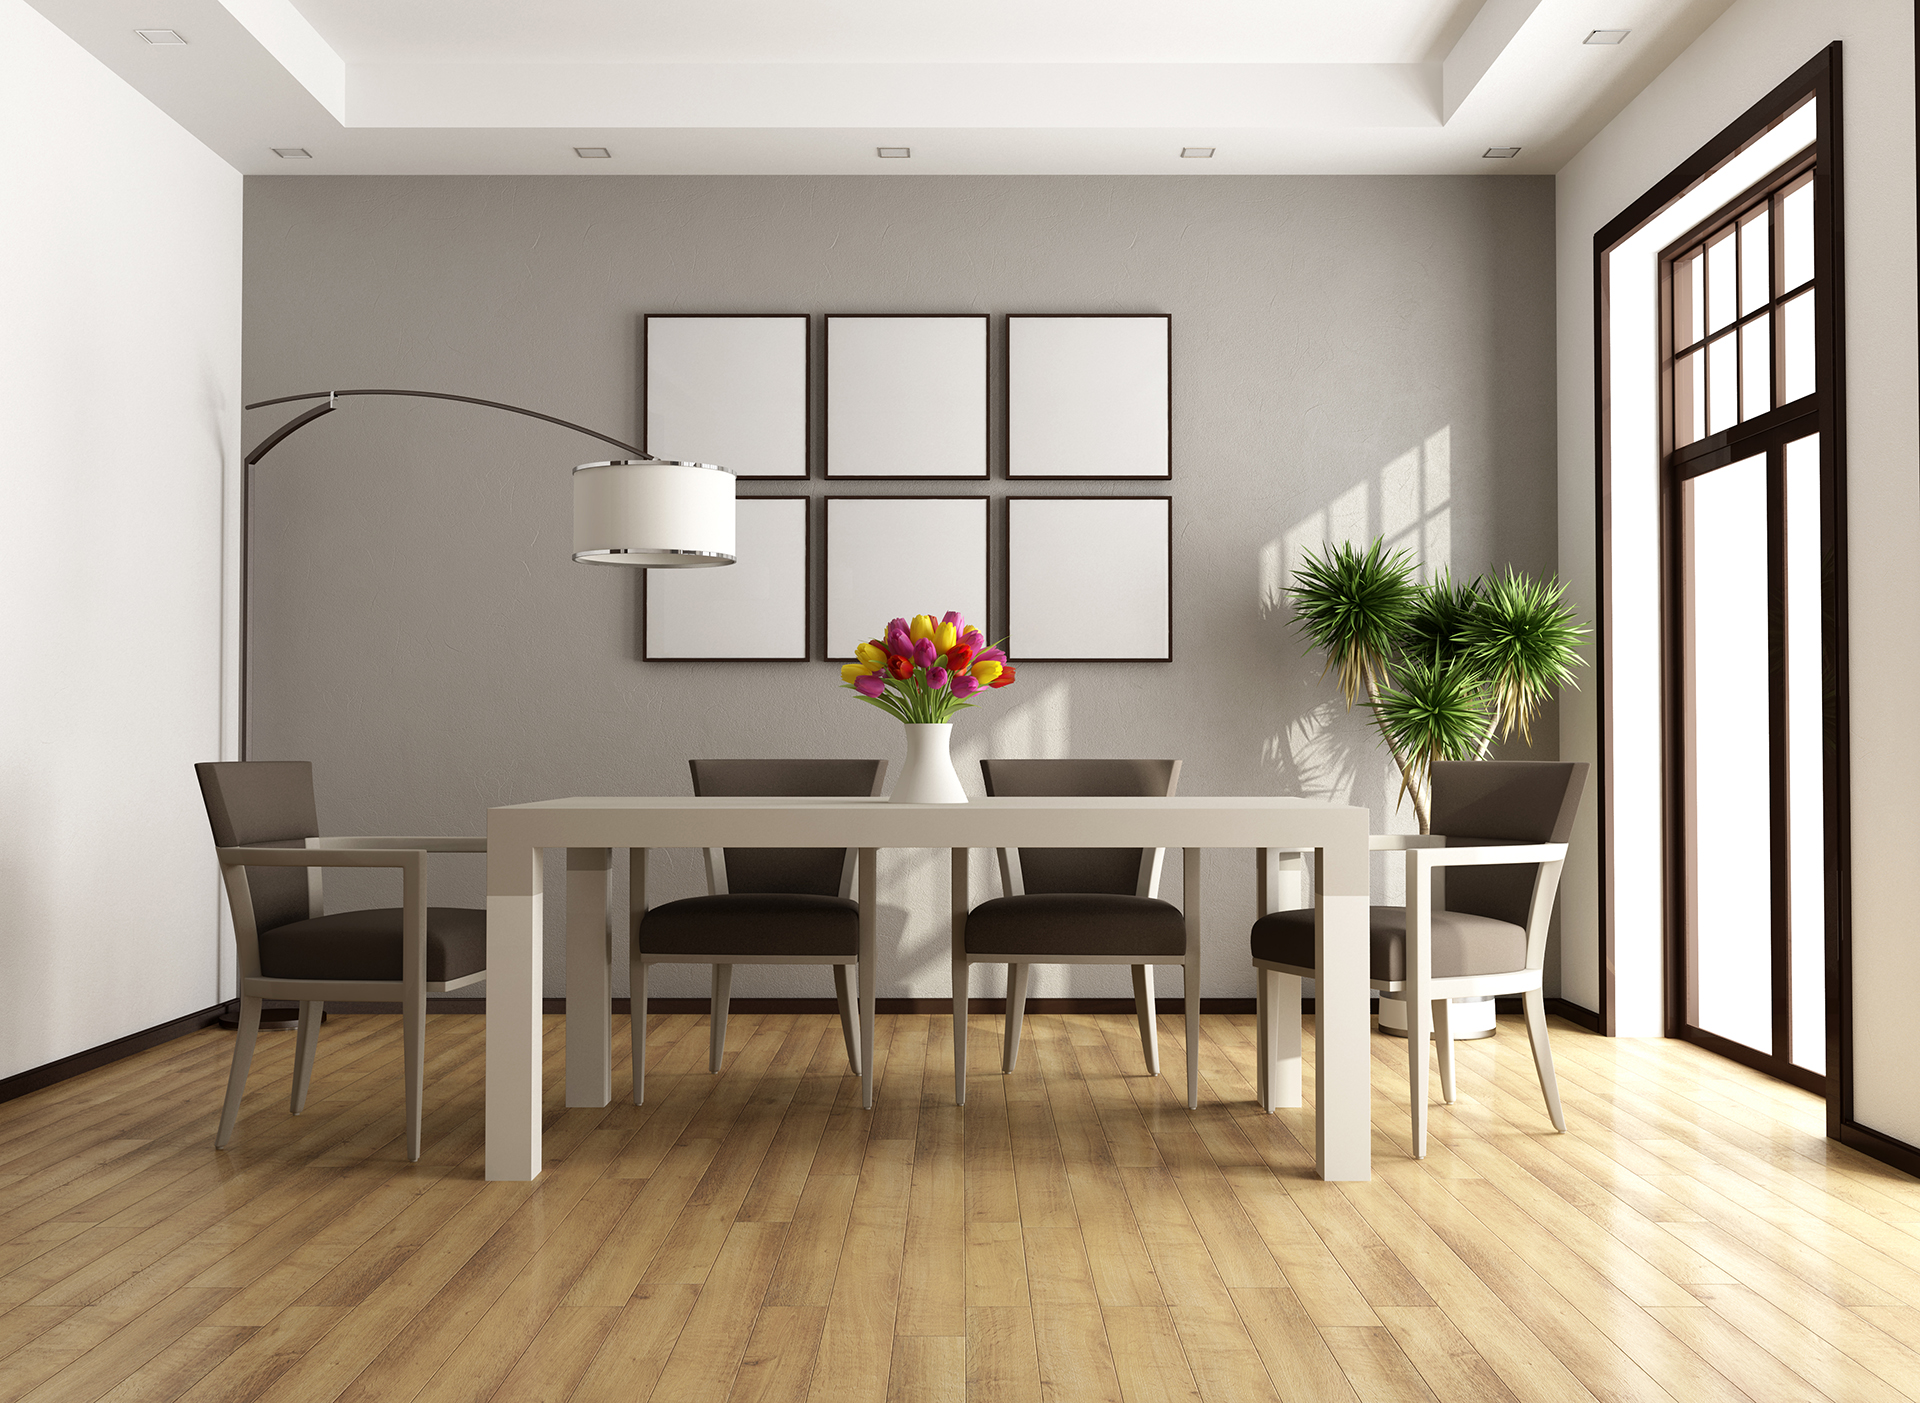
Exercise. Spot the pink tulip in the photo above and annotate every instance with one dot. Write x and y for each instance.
(936, 677)
(963, 686)
(871, 685)
(897, 641)
(924, 653)
(989, 655)
(952, 616)
(974, 639)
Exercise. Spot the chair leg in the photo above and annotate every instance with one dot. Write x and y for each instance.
(717, 1018)
(959, 1032)
(845, 994)
(1143, 1010)
(637, 1031)
(1443, 1047)
(1265, 996)
(1016, 1013)
(237, 1078)
(306, 1042)
(413, 1032)
(1192, 991)
(1536, 1006)
(1419, 1035)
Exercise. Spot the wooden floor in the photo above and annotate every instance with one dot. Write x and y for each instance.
(1075, 1233)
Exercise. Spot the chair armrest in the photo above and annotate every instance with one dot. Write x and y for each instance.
(1402, 842)
(1492, 855)
(413, 860)
(431, 845)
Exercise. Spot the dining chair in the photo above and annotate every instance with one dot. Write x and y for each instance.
(764, 906)
(273, 860)
(1479, 898)
(1077, 906)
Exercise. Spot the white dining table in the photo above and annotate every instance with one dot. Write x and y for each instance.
(590, 829)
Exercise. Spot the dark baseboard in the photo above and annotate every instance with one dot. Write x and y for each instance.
(1895, 1153)
(35, 1078)
(1573, 1013)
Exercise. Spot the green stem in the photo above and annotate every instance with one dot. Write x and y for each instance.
(1406, 772)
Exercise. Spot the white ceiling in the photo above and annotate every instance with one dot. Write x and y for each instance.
(813, 86)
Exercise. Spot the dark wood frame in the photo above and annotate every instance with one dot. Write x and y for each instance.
(1819, 78)
(826, 552)
(1006, 397)
(1006, 574)
(806, 382)
(986, 396)
(806, 623)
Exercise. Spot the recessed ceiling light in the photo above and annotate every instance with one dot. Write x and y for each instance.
(1196, 153)
(293, 153)
(593, 153)
(1606, 36)
(160, 36)
(1500, 153)
(894, 153)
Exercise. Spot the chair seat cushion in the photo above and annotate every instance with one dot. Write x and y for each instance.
(1462, 943)
(749, 923)
(1072, 923)
(366, 945)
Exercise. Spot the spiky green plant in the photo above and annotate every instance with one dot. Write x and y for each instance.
(1446, 667)
(1523, 641)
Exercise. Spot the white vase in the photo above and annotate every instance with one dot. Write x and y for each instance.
(928, 777)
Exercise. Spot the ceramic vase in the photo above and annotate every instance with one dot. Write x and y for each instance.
(928, 777)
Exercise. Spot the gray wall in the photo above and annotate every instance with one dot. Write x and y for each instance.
(1352, 355)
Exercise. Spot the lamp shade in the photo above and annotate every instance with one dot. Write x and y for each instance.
(652, 513)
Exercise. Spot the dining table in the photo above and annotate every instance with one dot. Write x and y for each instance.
(591, 829)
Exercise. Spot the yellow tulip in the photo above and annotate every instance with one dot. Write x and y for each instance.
(875, 658)
(986, 670)
(853, 672)
(921, 627)
(945, 636)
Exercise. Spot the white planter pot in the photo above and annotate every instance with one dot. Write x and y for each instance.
(928, 777)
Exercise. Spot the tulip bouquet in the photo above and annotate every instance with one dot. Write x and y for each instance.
(923, 671)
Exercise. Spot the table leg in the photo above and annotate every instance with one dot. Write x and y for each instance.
(589, 978)
(957, 929)
(514, 920)
(869, 971)
(1342, 1054)
(1190, 987)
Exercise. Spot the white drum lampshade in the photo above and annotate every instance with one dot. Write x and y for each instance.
(652, 513)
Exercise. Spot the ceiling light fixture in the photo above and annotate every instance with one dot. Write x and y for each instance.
(593, 153)
(1606, 36)
(894, 153)
(1500, 153)
(293, 153)
(1197, 153)
(160, 36)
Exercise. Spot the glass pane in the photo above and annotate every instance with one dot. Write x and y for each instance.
(1755, 263)
(1796, 351)
(1806, 757)
(1689, 286)
(1721, 285)
(1728, 742)
(1689, 399)
(1756, 367)
(1796, 236)
(1723, 384)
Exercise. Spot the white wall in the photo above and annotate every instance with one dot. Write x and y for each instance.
(119, 418)
(1749, 50)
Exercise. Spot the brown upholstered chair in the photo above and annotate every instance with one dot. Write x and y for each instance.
(1500, 833)
(1084, 906)
(272, 857)
(764, 906)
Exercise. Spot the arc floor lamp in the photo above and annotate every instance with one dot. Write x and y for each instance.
(654, 513)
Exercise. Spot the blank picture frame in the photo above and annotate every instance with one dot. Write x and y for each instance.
(894, 557)
(1090, 579)
(906, 396)
(729, 389)
(1089, 396)
(755, 610)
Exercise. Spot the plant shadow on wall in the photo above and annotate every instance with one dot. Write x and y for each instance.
(1444, 667)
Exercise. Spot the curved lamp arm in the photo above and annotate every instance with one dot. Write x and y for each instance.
(272, 440)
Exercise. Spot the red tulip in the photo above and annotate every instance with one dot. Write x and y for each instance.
(900, 667)
(960, 657)
(1006, 676)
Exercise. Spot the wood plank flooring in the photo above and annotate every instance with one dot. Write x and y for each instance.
(1074, 1233)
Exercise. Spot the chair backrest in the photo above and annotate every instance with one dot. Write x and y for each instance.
(257, 802)
(1524, 801)
(796, 871)
(1111, 871)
